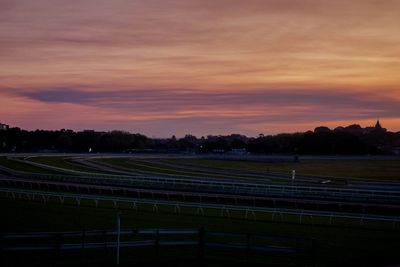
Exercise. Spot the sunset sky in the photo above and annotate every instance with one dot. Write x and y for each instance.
(163, 67)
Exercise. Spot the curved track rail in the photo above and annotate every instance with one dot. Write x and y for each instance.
(45, 195)
(200, 197)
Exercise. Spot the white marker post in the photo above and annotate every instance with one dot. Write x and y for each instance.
(293, 177)
(118, 234)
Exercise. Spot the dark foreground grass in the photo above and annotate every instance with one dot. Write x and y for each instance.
(336, 246)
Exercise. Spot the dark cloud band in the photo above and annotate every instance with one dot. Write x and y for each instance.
(306, 103)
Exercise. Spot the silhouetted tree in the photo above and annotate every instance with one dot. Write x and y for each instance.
(348, 140)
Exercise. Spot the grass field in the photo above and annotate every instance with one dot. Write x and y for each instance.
(62, 162)
(371, 169)
(160, 169)
(19, 166)
(343, 243)
(350, 169)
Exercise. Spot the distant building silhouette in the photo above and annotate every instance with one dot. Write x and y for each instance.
(4, 126)
(378, 127)
(375, 129)
(358, 130)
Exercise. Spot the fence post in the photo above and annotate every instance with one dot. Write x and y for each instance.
(201, 243)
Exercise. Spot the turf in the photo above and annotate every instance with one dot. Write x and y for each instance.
(19, 166)
(352, 169)
(337, 246)
(61, 162)
(154, 168)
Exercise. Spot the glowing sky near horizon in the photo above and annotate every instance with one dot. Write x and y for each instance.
(163, 67)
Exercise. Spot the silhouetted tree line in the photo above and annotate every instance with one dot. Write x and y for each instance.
(340, 141)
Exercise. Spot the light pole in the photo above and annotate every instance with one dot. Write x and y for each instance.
(293, 177)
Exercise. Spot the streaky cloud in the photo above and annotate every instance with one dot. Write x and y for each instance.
(248, 104)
